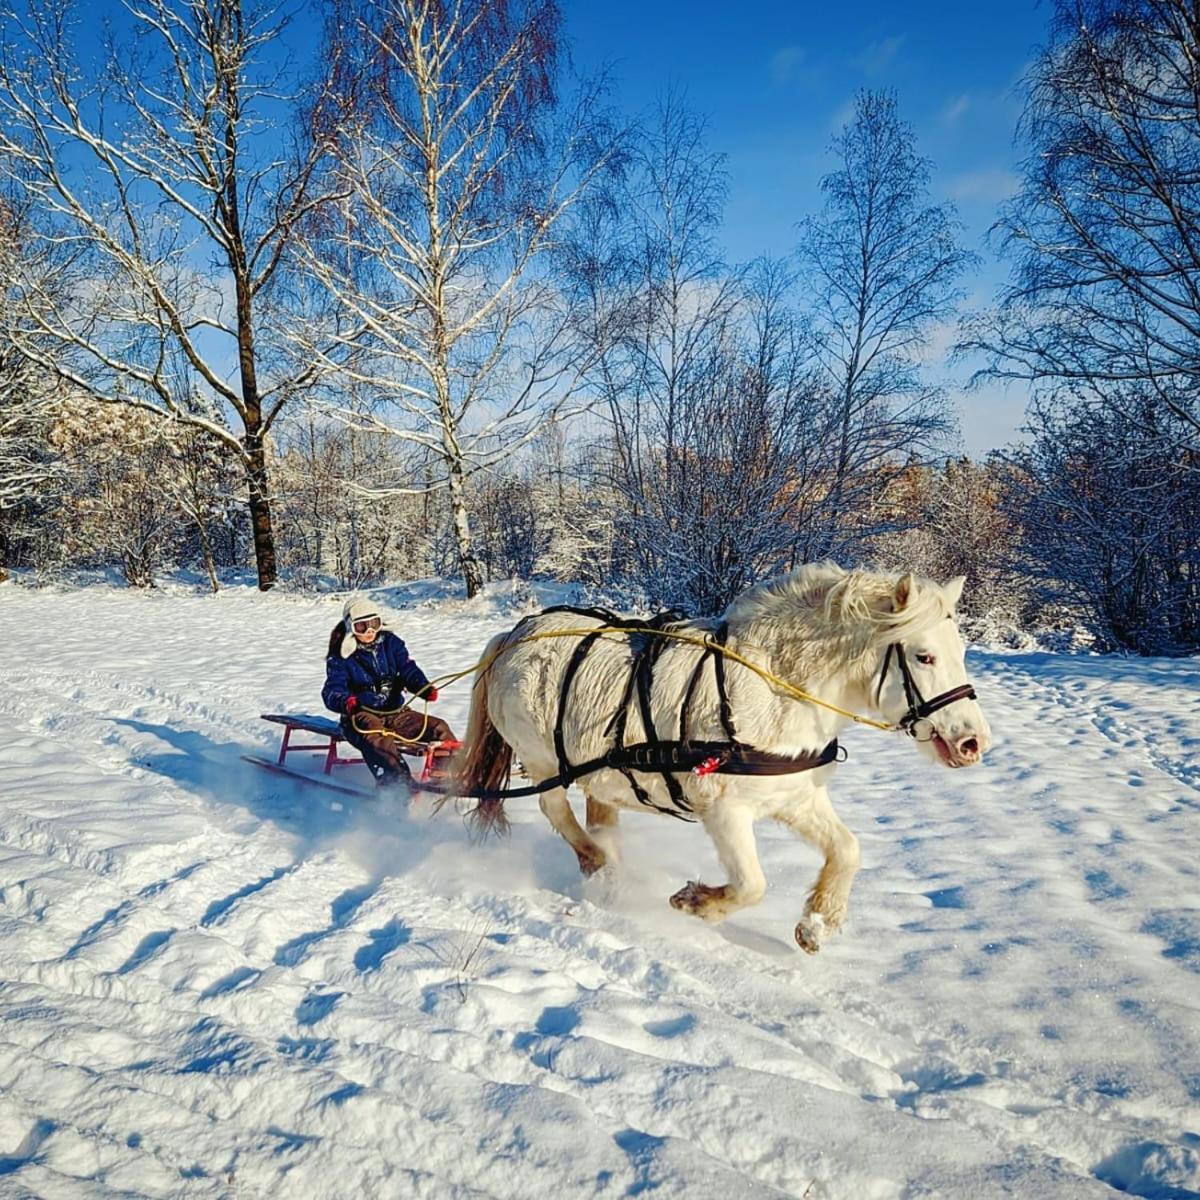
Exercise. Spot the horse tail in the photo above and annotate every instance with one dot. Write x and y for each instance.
(484, 764)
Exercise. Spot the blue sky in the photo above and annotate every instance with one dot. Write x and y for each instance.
(776, 80)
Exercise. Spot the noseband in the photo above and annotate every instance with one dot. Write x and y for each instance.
(918, 707)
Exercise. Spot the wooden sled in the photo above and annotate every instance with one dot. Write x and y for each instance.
(433, 754)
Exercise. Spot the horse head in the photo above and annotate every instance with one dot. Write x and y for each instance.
(921, 682)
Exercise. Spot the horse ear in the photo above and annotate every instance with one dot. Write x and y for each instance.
(903, 592)
(952, 590)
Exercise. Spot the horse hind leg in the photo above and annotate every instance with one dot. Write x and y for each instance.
(731, 828)
(829, 900)
(591, 854)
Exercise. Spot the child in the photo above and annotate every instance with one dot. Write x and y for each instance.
(368, 667)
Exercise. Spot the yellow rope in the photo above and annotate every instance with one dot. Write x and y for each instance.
(705, 643)
(390, 733)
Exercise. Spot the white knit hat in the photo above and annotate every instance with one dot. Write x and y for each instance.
(357, 608)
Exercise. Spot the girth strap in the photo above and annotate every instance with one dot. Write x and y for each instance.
(659, 757)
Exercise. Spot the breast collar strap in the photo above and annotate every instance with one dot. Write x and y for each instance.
(918, 707)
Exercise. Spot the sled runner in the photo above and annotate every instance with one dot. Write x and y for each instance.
(432, 769)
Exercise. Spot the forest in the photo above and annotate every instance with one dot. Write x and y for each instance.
(431, 304)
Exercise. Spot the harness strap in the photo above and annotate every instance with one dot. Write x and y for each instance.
(644, 672)
(660, 757)
(576, 661)
(726, 709)
(918, 707)
(685, 710)
(668, 759)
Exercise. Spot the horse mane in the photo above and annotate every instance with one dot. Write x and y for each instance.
(820, 617)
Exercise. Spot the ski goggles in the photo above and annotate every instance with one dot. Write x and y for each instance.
(366, 624)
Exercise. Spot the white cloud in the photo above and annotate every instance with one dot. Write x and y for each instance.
(955, 108)
(844, 114)
(880, 55)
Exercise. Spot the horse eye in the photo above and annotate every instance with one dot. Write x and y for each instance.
(926, 660)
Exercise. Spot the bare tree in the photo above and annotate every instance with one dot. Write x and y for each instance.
(1106, 507)
(170, 182)
(1105, 233)
(455, 163)
(326, 523)
(656, 309)
(884, 266)
(948, 520)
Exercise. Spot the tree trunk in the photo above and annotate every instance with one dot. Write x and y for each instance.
(260, 511)
(210, 562)
(472, 570)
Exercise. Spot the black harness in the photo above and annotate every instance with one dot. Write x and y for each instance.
(655, 755)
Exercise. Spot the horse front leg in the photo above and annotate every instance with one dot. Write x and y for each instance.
(829, 900)
(558, 812)
(731, 828)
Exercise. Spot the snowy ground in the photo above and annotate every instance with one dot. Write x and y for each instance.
(215, 984)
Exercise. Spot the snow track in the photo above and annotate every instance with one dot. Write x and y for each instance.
(217, 985)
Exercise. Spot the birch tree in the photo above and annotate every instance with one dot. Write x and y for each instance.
(718, 432)
(168, 178)
(456, 164)
(657, 307)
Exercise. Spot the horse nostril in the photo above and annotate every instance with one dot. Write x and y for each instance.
(968, 747)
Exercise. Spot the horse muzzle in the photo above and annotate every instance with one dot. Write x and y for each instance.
(961, 745)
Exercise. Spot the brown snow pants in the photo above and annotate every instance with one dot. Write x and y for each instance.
(385, 755)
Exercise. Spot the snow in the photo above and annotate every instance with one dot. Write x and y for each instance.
(220, 983)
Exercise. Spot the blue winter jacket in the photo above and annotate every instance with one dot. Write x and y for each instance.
(377, 674)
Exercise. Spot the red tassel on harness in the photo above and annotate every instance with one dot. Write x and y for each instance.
(708, 766)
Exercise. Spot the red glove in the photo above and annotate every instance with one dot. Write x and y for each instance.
(351, 705)
(431, 694)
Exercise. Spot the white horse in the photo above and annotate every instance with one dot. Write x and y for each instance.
(855, 642)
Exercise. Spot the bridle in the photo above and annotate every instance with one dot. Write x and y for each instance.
(919, 709)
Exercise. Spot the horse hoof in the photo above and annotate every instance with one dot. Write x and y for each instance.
(700, 900)
(589, 864)
(809, 933)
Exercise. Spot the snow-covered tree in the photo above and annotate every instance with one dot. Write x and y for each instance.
(164, 185)
(1107, 505)
(718, 435)
(950, 520)
(454, 166)
(28, 396)
(1105, 231)
(328, 525)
